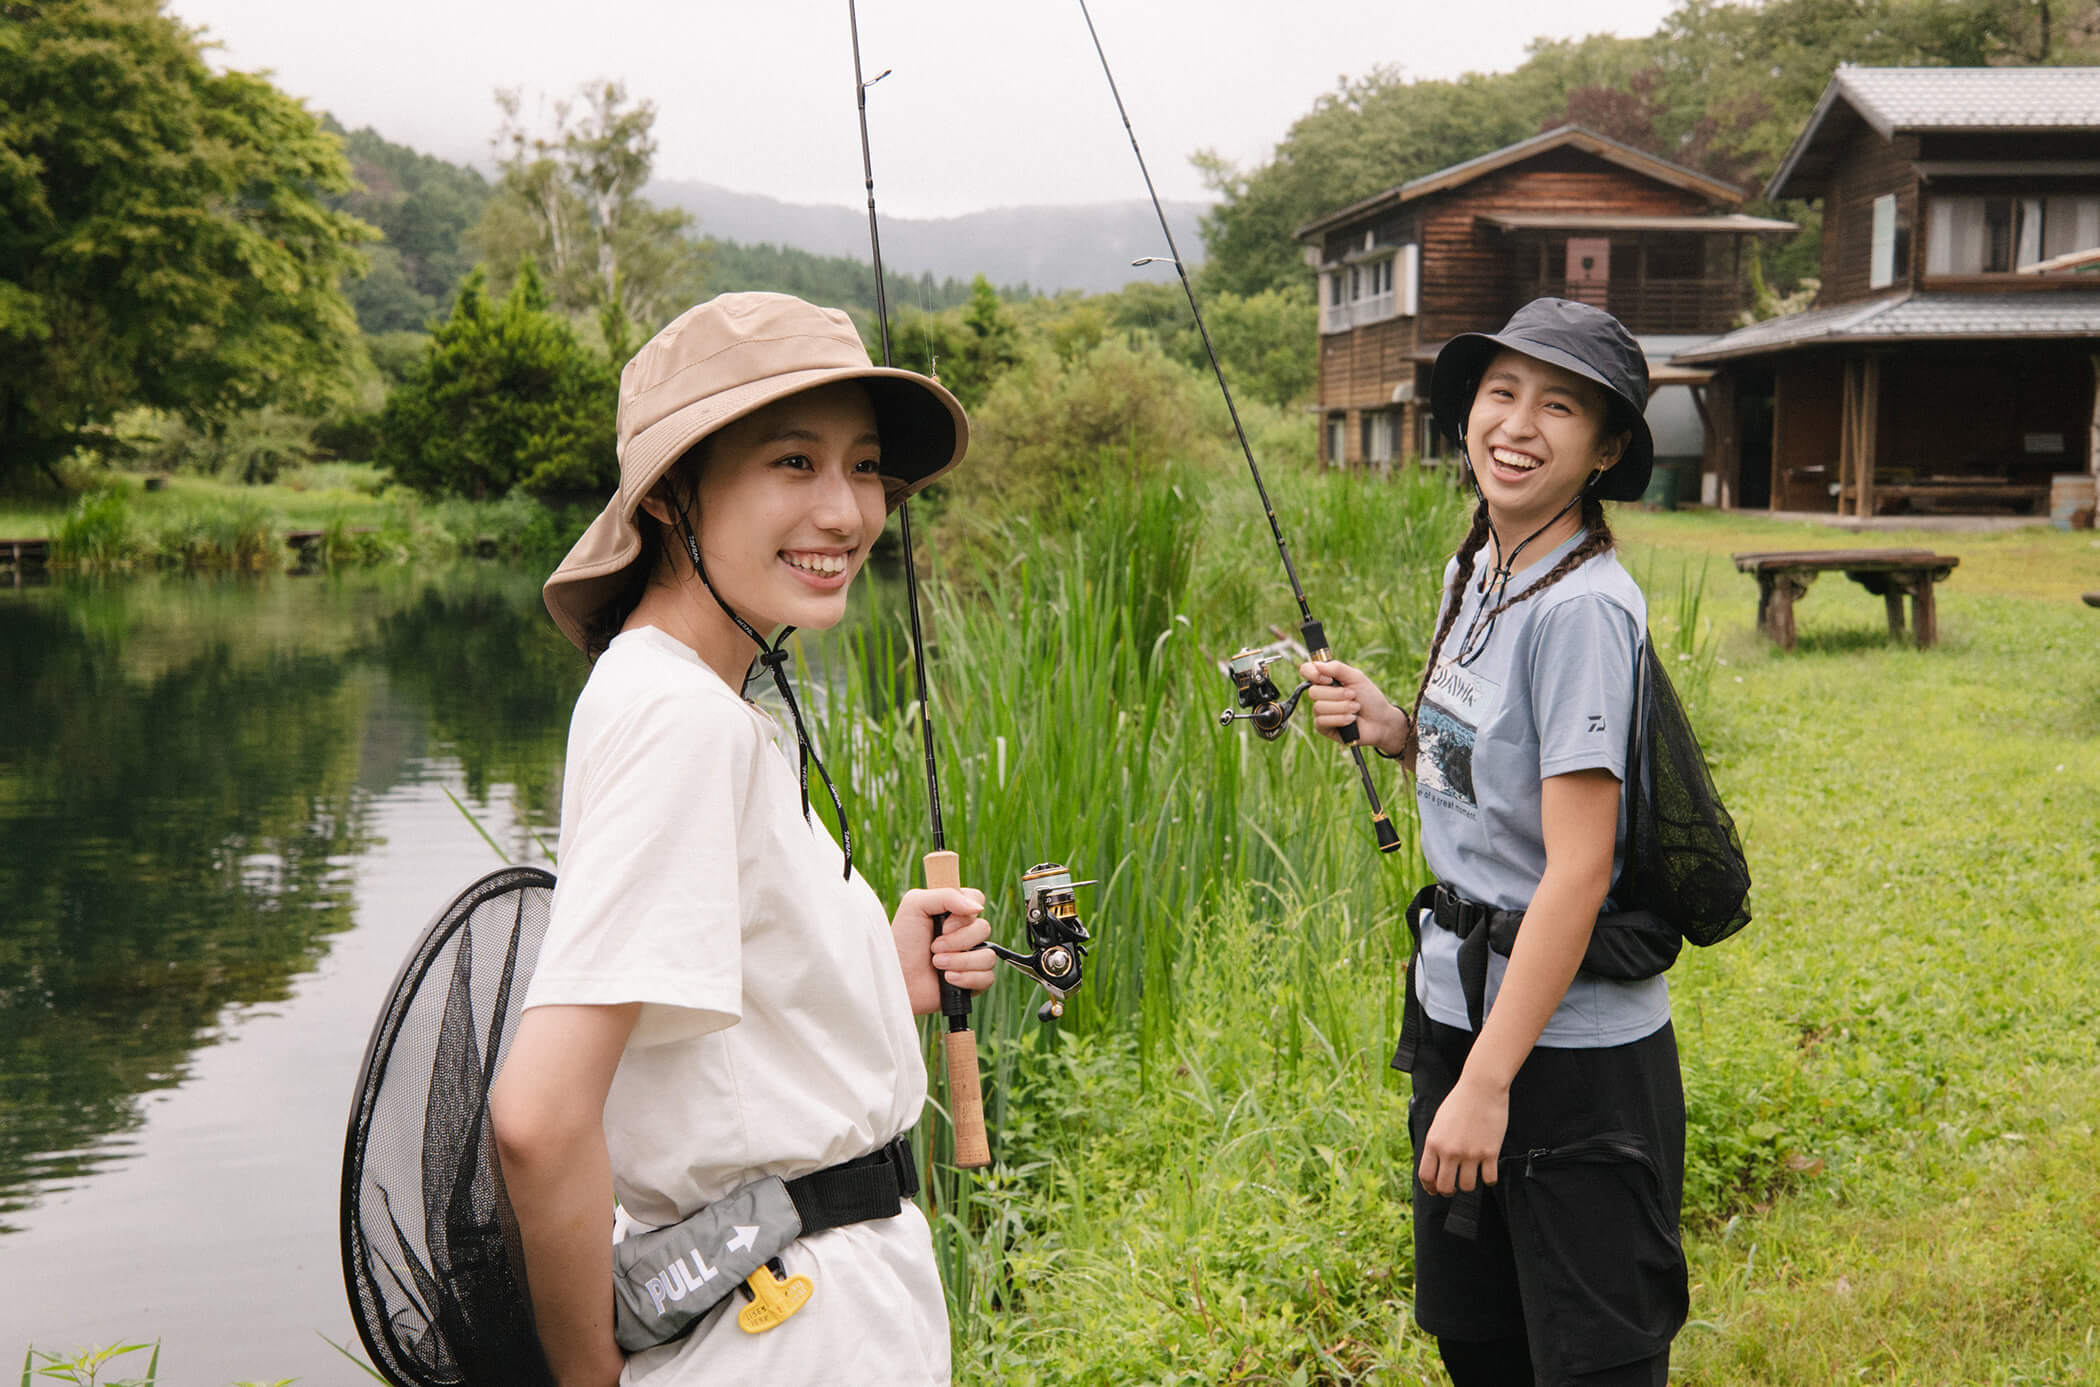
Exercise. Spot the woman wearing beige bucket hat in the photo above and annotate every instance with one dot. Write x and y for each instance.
(721, 1005)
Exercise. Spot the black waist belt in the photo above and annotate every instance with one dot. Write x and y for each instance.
(1625, 946)
(1478, 928)
(867, 1187)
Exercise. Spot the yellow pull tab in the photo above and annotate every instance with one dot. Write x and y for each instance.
(772, 1300)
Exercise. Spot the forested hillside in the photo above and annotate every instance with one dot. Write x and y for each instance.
(423, 207)
(427, 211)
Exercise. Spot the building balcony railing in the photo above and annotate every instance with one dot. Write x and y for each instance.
(1656, 306)
(1340, 317)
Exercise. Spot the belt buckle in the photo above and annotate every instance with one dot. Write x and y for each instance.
(907, 1169)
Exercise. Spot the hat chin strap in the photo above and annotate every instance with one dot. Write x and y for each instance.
(1498, 581)
(774, 658)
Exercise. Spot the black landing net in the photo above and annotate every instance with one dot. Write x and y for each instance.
(431, 1257)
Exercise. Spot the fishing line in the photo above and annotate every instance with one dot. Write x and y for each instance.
(1260, 698)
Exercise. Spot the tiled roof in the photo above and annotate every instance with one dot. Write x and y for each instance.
(1640, 161)
(1915, 317)
(1943, 99)
(1973, 98)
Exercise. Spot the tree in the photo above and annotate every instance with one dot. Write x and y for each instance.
(164, 238)
(1359, 139)
(504, 397)
(571, 200)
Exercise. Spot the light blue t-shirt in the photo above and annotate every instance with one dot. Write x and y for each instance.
(1546, 688)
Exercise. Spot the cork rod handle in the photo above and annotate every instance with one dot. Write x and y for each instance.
(965, 1091)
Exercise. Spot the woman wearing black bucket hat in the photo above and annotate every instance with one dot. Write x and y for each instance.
(720, 1018)
(1547, 1113)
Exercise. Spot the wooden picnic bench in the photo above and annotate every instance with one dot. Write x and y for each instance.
(1887, 573)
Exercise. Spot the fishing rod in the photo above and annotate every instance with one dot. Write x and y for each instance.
(1058, 936)
(941, 866)
(1260, 701)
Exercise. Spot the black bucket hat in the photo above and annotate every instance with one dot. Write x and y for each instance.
(1575, 337)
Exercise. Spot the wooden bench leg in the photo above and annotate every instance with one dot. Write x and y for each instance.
(1924, 616)
(1893, 598)
(1778, 605)
(1924, 612)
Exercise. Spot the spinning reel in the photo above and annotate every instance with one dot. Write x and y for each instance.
(1055, 930)
(1263, 703)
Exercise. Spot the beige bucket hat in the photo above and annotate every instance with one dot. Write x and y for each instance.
(714, 364)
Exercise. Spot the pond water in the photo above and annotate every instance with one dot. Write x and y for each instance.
(225, 814)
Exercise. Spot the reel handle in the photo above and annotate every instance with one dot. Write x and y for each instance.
(973, 1149)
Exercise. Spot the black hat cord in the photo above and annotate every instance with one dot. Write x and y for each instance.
(774, 658)
(1496, 585)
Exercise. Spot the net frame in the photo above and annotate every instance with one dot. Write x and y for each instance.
(431, 1257)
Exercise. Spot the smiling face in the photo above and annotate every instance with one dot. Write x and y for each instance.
(787, 506)
(1535, 433)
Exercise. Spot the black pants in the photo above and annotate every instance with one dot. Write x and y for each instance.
(1577, 1254)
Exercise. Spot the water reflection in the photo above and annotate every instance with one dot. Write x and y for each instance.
(186, 773)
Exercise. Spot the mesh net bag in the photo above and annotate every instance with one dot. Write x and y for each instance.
(1685, 860)
(431, 1256)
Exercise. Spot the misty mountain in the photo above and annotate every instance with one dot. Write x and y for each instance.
(1047, 248)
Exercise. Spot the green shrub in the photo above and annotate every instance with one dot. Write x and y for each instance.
(505, 396)
(397, 355)
(98, 534)
(238, 534)
(1053, 433)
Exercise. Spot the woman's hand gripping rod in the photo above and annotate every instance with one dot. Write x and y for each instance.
(973, 1149)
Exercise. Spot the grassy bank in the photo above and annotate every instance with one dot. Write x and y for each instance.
(1202, 1178)
(344, 513)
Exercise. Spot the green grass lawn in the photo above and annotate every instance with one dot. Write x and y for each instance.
(1919, 982)
(1893, 1075)
(198, 523)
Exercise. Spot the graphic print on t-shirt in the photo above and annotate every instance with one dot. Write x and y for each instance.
(1451, 710)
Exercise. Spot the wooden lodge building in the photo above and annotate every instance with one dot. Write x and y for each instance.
(1950, 362)
(1566, 213)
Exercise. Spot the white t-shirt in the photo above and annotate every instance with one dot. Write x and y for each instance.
(775, 1035)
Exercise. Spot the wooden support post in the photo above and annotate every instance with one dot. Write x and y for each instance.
(1848, 436)
(1869, 429)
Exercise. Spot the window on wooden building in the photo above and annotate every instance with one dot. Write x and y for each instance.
(1337, 435)
(1888, 257)
(2000, 234)
(1381, 428)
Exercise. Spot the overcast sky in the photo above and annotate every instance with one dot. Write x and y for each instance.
(991, 103)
